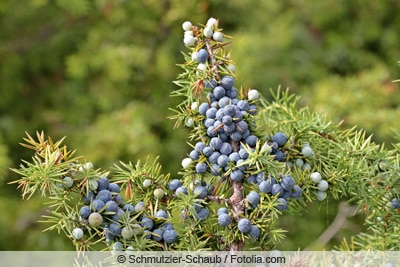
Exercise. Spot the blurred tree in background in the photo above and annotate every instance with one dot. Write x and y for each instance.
(101, 71)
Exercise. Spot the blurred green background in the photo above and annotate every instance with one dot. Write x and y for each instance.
(100, 72)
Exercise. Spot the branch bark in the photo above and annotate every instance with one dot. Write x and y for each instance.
(236, 202)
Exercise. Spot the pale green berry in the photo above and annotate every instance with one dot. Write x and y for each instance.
(159, 193)
(253, 94)
(194, 106)
(316, 177)
(118, 246)
(323, 185)
(299, 163)
(147, 183)
(211, 22)
(137, 229)
(68, 182)
(232, 68)
(189, 40)
(306, 167)
(188, 34)
(189, 122)
(289, 164)
(127, 232)
(307, 152)
(187, 26)
(201, 66)
(217, 36)
(88, 166)
(140, 206)
(194, 55)
(186, 162)
(208, 32)
(321, 195)
(95, 219)
(77, 233)
(93, 184)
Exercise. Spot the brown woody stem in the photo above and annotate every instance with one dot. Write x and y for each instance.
(237, 203)
(213, 61)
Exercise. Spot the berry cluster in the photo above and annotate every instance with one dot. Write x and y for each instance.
(199, 188)
(227, 136)
(209, 31)
(227, 130)
(245, 226)
(105, 209)
(284, 190)
(303, 162)
(322, 185)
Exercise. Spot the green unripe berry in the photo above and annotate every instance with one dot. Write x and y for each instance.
(187, 26)
(307, 151)
(321, 195)
(217, 36)
(95, 219)
(137, 229)
(186, 162)
(189, 40)
(189, 122)
(288, 165)
(77, 233)
(299, 163)
(208, 32)
(93, 184)
(253, 95)
(194, 106)
(188, 34)
(147, 183)
(139, 206)
(316, 177)
(232, 68)
(323, 185)
(68, 182)
(159, 193)
(118, 246)
(201, 66)
(212, 22)
(88, 166)
(306, 167)
(127, 232)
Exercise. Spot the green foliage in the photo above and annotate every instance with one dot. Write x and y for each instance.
(368, 99)
(4, 160)
(352, 165)
(72, 68)
(355, 167)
